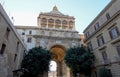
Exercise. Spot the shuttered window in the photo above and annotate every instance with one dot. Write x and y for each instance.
(96, 26)
(100, 40)
(114, 33)
(29, 40)
(104, 54)
(108, 16)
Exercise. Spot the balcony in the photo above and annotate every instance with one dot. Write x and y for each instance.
(57, 26)
(43, 24)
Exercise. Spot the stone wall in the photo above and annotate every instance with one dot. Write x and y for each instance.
(12, 49)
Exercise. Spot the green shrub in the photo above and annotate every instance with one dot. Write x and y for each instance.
(104, 72)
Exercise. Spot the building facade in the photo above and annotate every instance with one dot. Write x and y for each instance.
(12, 49)
(103, 39)
(55, 32)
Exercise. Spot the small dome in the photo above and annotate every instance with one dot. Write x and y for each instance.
(55, 11)
(55, 8)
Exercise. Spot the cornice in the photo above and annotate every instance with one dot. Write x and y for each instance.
(104, 25)
(101, 13)
(38, 28)
(26, 27)
(55, 37)
(57, 15)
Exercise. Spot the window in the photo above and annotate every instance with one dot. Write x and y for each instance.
(96, 26)
(44, 20)
(104, 55)
(23, 33)
(2, 48)
(108, 16)
(114, 33)
(7, 33)
(89, 45)
(29, 40)
(30, 32)
(17, 48)
(118, 49)
(50, 20)
(72, 34)
(58, 21)
(42, 32)
(100, 40)
(15, 57)
(87, 34)
(23, 39)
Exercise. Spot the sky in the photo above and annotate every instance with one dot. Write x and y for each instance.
(25, 12)
(53, 66)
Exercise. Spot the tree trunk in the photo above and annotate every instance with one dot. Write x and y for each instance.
(45, 74)
(88, 76)
(40, 75)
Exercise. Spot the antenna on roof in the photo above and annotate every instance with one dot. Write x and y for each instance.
(2, 2)
(12, 18)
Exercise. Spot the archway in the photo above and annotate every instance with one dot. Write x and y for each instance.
(52, 69)
(58, 53)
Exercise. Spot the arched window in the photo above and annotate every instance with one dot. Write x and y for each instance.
(57, 21)
(64, 22)
(71, 23)
(50, 21)
(44, 20)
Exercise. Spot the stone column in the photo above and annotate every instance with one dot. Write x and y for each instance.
(47, 23)
(67, 25)
(54, 24)
(59, 69)
(38, 22)
(73, 26)
(61, 24)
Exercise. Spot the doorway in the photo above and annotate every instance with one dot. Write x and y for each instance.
(58, 53)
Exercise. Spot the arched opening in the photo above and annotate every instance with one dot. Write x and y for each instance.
(58, 53)
(57, 23)
(43, 22)
(52, 69)
(71, 24)
(53, 65)
(50, 23)
(64, 24)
